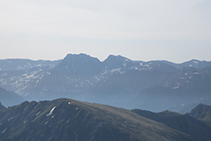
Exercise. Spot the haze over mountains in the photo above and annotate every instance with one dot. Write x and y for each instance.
(9, 98)
(117, 81)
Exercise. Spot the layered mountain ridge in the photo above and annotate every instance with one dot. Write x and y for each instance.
(118, 81)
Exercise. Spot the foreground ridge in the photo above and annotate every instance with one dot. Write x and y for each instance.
(67, 119)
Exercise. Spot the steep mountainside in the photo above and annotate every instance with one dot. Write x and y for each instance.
(184, 123)
(66, 119)
(8, 98)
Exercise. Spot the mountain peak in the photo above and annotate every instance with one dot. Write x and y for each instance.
(115, 58)
(201, 111)
(114, 62)
(79, 64)
(78, 56)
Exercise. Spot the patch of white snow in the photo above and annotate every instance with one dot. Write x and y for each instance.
(176, 87)
(196, 62)
(10, 118)
(51, 111)
(96, 78)
(37, 113)
(48, 73)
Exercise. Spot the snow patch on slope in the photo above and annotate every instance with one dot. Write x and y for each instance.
(51, 111)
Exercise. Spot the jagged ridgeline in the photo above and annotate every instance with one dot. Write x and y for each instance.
(117, 81)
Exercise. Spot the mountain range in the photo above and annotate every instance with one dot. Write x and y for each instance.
(117, 81)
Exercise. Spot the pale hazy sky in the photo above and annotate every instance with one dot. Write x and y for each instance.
(174, 30)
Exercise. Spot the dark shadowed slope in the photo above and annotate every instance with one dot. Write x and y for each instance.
(66, 119)
(184, 123)
(202, 112)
